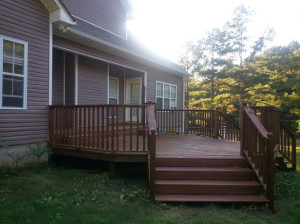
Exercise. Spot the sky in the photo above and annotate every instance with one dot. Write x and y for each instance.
(164, 26)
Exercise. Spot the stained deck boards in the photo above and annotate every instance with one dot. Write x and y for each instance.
(168, 145)
(193, 146)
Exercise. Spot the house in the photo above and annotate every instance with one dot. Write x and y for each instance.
(72, 76)
(65, 52)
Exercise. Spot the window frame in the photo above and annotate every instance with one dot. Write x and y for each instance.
(118, 89)
(24, 76)
(163, 97)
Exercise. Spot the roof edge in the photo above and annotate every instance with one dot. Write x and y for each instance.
(92, 38)
(58, 12)
(128, 8)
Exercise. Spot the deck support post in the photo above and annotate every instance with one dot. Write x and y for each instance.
(271, 172)
(112, 168)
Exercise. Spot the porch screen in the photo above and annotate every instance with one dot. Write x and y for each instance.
(166, 97)
(13, 73)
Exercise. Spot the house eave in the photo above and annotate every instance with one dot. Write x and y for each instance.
(58, 12)
(100, 44)
(128, 8)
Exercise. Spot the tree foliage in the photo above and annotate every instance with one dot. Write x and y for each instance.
(229, 69)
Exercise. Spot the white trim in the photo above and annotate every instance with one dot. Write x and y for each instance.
(125, 38)
(50, 62)
(24, 76)
(124, 86)
(107, 83)
(163, 102)
(145, 84)
(127, 89)
(76, 80)
(97, 58)
(118, 88)
(58, 12)
(183, 92)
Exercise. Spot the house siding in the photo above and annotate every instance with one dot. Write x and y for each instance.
(58, 78)
(28, 20)
(153, 72)
(69, 78)
(110, 15)
(92, 81)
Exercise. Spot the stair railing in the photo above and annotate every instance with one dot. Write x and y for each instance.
(151, 147)
(288, 145)
(258, 146)
(226, 128)
(284, 137)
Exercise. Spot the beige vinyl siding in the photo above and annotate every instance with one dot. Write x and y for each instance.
(58, 78)
(110, 15)
(153, 73)
(92, 81)
(28, 20)
(69, 79)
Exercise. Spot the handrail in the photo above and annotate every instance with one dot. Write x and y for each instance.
(256, 122)
(107, 128)
(288, 145)
(258, 146)
(151, 147)
(283, 136)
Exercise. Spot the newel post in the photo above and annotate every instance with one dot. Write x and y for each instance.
(216, 124)
(271, 172)
(151, 148)
(242, 128)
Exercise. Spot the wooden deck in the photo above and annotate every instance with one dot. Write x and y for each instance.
(173, 145)
(168, 145)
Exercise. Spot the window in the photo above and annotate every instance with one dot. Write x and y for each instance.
(113, 91)
(166, 95)
(113, 97)
(13, 73)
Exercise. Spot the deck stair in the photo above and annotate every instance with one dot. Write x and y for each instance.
(206, 179)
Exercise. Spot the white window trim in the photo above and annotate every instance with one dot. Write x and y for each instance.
(165, 83)
(118, 89)
(25, 43)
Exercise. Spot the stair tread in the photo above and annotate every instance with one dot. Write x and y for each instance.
(207, 182)
(210, 198)
(200, 157)
(205, 169)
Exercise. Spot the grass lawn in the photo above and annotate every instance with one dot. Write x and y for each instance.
(61, 195)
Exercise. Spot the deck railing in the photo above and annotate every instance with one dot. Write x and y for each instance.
(151, 148)
(288, 145)
(107, 128)
(258, 146)
(283, 136)
(211, 123)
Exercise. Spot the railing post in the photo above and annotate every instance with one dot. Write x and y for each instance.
(242, 127)
(216, 124)
(151, 148)
(271, 172)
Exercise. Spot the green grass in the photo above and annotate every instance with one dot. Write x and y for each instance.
(60, 195)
